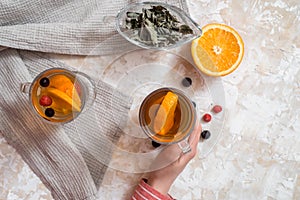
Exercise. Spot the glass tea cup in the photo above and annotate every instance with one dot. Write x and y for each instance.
(166, 122)
(59, 95)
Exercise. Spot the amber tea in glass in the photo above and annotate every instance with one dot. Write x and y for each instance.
(59, 95)
(164, 121)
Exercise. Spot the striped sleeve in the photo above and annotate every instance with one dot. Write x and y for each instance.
(145, 192)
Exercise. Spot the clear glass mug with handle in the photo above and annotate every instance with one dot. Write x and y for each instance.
(168, 116)
(59, 95)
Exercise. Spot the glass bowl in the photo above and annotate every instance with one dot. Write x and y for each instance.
(157, 29)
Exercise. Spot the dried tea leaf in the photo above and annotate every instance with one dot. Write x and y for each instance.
(184, 29)
(156, 26)
(147, 32)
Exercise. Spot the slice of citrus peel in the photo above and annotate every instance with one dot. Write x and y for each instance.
(164, 118)
(219, 50)
(64, 94)
(64, 84)
(61, 98)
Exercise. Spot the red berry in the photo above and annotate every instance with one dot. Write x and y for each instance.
(217, 109)
(206, 117)
(45, 100)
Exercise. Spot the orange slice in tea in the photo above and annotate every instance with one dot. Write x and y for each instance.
(219, 50)
(164, 118)
(64, 84)
(62, 101)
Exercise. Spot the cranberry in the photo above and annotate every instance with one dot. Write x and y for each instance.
(217, 109)
(206, 117)
(45, 100)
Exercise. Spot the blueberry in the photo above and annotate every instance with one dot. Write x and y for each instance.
(186, 82)
(44, 82)
(155, 144)
(194, 104)
(205, 134)
(49, 112)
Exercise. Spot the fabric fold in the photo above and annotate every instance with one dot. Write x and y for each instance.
(96, 131)
(65, 27)
(46, 148)
(70, 160)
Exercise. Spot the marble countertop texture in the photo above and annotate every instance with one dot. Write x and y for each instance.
(258, 154)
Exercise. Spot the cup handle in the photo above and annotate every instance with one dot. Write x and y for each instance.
(25, 87)
(185, 146)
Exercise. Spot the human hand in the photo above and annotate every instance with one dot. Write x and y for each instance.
(162, 179)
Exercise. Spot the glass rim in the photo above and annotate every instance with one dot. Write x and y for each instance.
(189, 127)
(70, 117)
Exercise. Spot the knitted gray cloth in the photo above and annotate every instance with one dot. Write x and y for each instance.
(60, 155)
(63, 26)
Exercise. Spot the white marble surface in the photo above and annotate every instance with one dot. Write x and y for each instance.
(258, 155)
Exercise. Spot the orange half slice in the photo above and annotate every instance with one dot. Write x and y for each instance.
(219, 50)
(64, 84)
(164, 118)
(63, 100)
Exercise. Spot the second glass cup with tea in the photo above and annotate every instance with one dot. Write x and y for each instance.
(168, 116)
(59, 95)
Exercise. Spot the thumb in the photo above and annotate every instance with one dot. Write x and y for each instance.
(193, 141)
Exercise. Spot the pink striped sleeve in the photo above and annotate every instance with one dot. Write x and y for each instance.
(145, 192)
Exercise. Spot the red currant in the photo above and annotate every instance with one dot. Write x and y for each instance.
(206, 117)
(45, 100)
(217, 109)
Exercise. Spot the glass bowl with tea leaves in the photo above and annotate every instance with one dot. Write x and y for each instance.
(156, 25)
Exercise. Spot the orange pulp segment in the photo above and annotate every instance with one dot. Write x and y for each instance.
(219, 50)
(62, 101)
(164, 118)
(64, 84)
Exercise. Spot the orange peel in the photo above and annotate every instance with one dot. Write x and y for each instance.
(219, 51)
